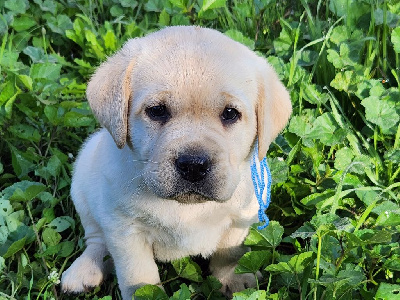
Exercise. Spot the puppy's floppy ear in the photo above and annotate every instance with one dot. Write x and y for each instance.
(109, 91)
(273, 108)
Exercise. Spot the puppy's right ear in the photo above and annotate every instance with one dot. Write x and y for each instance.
(109, 92)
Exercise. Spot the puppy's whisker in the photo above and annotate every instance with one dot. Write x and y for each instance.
(143, 173)
(145, 161)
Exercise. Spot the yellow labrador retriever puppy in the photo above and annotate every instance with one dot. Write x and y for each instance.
(169, 175)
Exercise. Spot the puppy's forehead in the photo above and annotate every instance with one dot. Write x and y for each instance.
(193, 61)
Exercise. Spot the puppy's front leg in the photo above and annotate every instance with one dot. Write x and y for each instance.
(224, 261)
(134, 262)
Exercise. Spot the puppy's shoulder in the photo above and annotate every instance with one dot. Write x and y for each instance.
(96, 146)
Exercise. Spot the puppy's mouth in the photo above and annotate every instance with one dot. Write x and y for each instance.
(190, 198)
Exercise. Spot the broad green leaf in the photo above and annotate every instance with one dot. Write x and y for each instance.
(25, 132)
(76, 119)
(396, 39)
(307, 58)
(36, 54)
(283, 43)
(4, 231)
(47, 5)
(17, 238)
(5, 208)
(343, 158)
(25, 190)
(26, 81)
(393, 263)
(9, 59)
(352, 240)
(210, 287)
(353, 277)
(6, 92)
(387, 291)
(66, 248)
(316, 198)
(13, 248)
(95, 47)
(344, 58)
(17, 6)
(269, 237)
(250, 294)
(301, 125)
(52, 168)
(368, 196)
(239, 37)
(385, 207)
(388, 218)
(54, 114)
(128, 3)
(14, 222)
(60, 24)
(374, 237)
(281, 267)
(182, 294)
(23, 23)
(110, 41)
(2, 264)
(180, 20)
(179, 3)
(279, 170)
(154, 5)
(252, 261)
(244, 294)
(343, 81)
(164, 18)
(48, 71)
(393, 156)
(351, 9)
(188, 269)
(339, 34)
(381, 111)
(150, 292)
(54, 165)
(327, 130)
(51, 237)
(62, 223)
(305, 231)
(313, 94)
(392, 20)
(212, 4)
(299, 262)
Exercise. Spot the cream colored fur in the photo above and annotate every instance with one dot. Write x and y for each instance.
(125, 172)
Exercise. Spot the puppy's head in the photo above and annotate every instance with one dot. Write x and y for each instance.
(191, 102)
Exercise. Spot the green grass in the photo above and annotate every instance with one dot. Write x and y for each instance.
(335, 206)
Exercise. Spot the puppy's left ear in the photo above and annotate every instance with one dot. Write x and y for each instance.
(109, 91)
(273, 107)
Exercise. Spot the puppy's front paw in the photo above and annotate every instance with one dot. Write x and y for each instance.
(232, 283)
(82, 275)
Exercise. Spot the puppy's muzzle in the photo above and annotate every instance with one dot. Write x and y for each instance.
(193, 168)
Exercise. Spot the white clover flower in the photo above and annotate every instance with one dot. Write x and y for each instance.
(54, 277)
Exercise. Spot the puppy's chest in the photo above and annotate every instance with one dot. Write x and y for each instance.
(177, 235)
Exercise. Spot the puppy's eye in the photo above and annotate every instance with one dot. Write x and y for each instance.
(230, 115)
(158, 113)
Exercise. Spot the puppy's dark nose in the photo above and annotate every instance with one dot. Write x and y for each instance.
(193, 168)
